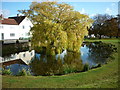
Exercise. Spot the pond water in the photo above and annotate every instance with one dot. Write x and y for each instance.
(92, 53)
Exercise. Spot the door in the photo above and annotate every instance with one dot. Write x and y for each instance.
(2, 36)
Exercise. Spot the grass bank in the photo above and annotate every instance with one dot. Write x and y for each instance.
(112, 40)
(103, 77)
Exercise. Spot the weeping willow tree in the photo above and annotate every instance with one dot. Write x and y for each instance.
(57, 27)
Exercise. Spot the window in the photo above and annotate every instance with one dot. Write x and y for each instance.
(2, 36)
(29, 26)
(24, 55)
(1, 26)
(27, 19)
(12, 34)
(23, 27)
(31, 53)
(27, 34)
(119, 25)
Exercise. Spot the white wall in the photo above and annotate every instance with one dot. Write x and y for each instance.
(27, 25)
(18, 30)
(9, 29)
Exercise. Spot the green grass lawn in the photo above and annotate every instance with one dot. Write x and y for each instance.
(104, 40)
(102, 77)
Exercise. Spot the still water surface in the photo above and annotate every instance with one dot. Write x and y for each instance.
(66, 62)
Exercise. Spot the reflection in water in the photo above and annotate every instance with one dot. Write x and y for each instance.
(16, 56)
(9, 49)
(67, 62)
(15, 66)
(73, 61)
(99, 52)
(49, 65)
(45, 65)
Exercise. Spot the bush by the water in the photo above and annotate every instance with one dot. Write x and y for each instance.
(6, 72)
(86, 67)
(0, 72)
(68, 69)
(23, 72)
(99, 65)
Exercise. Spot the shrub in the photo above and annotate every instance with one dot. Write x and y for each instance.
(99, 65)
(6, 72)
(86, 67)
(68, 69)
(28, 73)
(23, 72)
(0, 72)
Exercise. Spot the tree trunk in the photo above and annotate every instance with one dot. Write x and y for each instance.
(116, 36)
(118, 33)
(100, 37)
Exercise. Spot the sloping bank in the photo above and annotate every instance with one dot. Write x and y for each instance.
(102, 77)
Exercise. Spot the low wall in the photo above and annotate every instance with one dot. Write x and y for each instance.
(13, 41)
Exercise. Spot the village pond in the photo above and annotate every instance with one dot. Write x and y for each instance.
(91, 54)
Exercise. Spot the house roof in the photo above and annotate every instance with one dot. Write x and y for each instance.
(12, 20)
(8, 21)
(18, 19)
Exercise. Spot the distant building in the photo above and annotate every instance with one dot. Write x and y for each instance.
(91, 36)
(15, 27)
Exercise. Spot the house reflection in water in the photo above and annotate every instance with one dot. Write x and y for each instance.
(16, 62)
(25, 57)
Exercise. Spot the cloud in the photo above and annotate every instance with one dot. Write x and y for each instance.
(108, 11)
(92, 15)
(5, 12)
(82, 11)
(113, 4)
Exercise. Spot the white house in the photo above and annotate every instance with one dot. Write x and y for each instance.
(15, 27)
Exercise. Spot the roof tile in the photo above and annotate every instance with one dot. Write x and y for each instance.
(8, 21)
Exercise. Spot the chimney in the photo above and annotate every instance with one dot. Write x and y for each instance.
(17, 15)
(1, 17)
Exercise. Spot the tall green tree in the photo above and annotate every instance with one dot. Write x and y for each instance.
(56, 27)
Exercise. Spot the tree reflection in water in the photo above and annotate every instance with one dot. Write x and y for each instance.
(50, 65)
(71, 62)
(9, 49)
(99, 52)
(67, 62)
